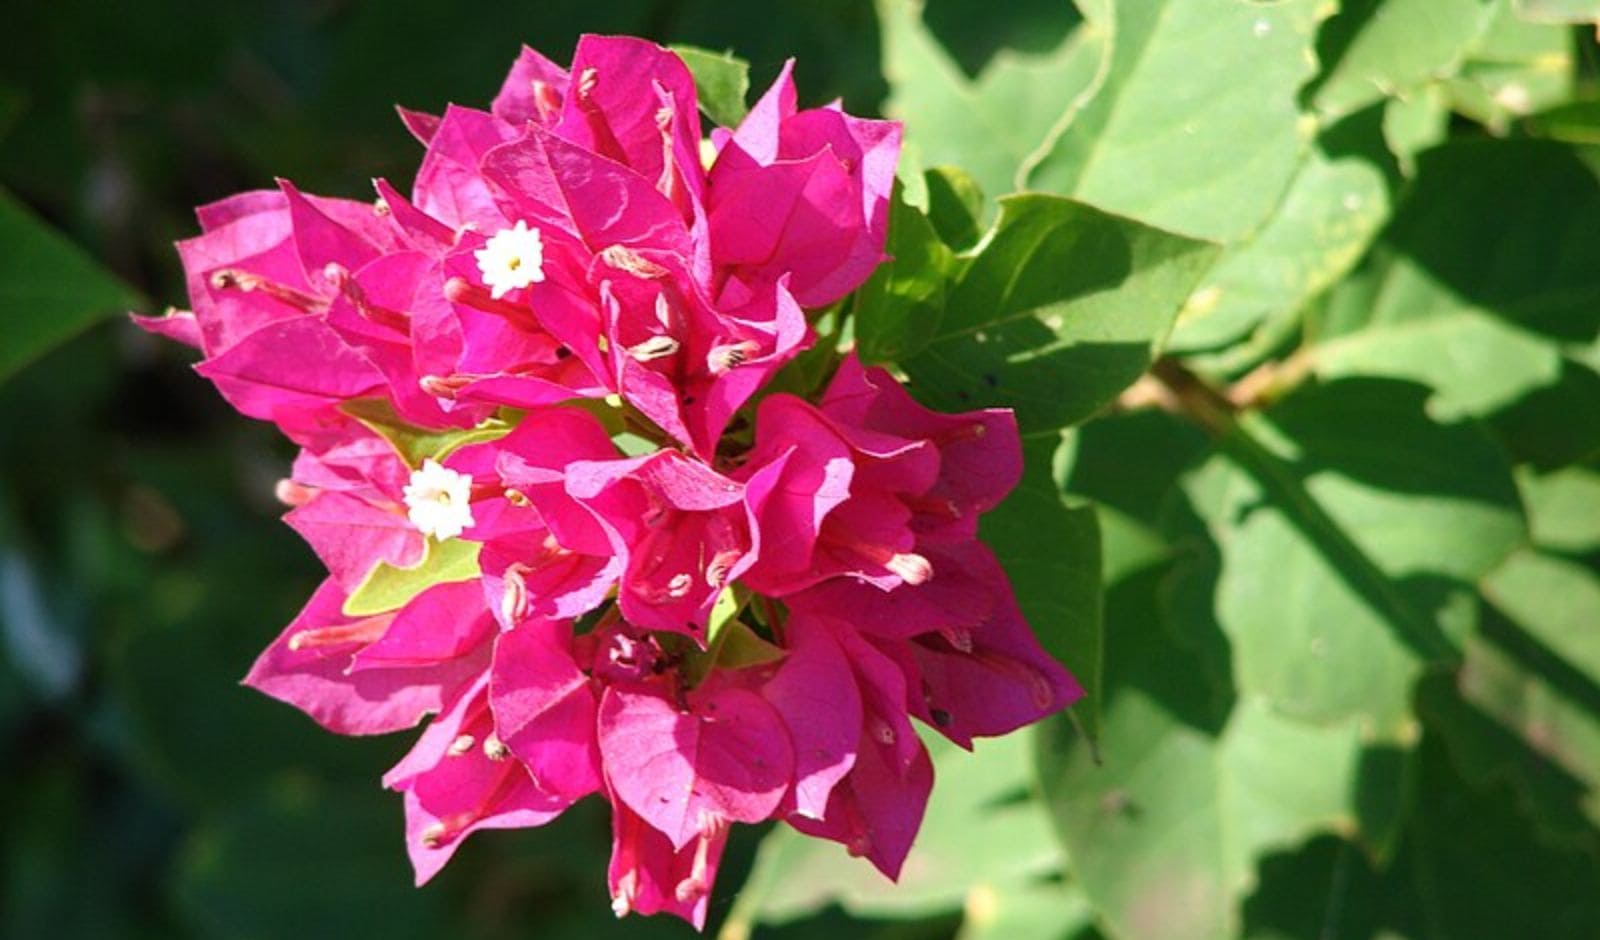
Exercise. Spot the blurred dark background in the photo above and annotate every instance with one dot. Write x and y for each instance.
(144, 793)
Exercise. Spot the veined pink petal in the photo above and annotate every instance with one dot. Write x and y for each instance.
(544, 707)
(308, 666)
(980, 454)
(683, 529)
(351, 535)
(288, 368)
(727, 757)
(532, 91)
(619, 88)
(445, 622)
(449, 185)
(552, 183)
(816, 695)
(647, 875)
(875, 812)
(992, 678)
(454, 785)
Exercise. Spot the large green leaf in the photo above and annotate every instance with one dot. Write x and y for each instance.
(1057, 311)
(1538, 674)
(1336, 204)
(1480, 873)
(49, 288)
(1195, 127)
(1376, 48)
(1558, 11)
(1351, 528)
(1514, 68)
(1563, 508)
(1043, 910)
(899, 307)
(990, 127)
(1051, 553)
(979, 832)
(1165, 830)
(388, 588)
(721, 82)
(1475, 362)
(1511, 227)
(1557, 424)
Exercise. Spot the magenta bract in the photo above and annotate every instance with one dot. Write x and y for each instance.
(557, 513)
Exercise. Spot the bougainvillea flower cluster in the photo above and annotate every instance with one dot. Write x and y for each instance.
(567, 521)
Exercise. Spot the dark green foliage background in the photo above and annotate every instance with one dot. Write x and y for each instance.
(1350, 630)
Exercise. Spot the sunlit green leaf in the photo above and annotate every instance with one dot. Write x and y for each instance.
(389, 588)
(899, 307)
(721, 81)
(1351, 529)
(1178, 134)
(1057, 312)
(991, 127)
(978, 831)
(1190, 788)
(1337, 202)
(1376, 48)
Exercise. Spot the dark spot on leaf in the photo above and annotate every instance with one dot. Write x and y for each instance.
(991, 379)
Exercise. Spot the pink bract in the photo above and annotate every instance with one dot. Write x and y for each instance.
(567, 521)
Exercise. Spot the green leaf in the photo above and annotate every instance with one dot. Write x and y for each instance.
(899, 307)
(1057, 312)
(1555, 425)
(1337, 202)
(1563, 508)
(1525, 705)
(1416, 123)
(977, 831)
(1051, 552)
(1475, 363)
(729, 603)
(1481, 874)
(1558, 11)
(1377, 48)
(414, 444)
(990, 127)
(50, 290)
(1509, 227)
(721, 81)
(389, 588)
(1165, 829)
(1351, 527)
(955, 206)
(1195, 127)
(1513, 69)
(1043, 910)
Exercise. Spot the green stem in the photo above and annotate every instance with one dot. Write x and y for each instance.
(1241, 437)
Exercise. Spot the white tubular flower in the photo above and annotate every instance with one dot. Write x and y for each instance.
(512, 258)
(439, 501)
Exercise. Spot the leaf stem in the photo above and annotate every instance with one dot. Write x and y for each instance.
(1241, 435)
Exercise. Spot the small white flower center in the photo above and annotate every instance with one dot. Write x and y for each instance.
(512, 258)
(439, 500)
